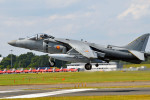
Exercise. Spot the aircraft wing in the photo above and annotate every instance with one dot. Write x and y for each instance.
(80, 47)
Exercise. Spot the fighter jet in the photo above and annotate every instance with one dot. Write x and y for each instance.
(82, 51)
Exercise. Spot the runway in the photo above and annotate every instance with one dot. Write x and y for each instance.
(73, 92)
(59, 90)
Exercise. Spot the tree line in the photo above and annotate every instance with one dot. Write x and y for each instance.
(28, 60)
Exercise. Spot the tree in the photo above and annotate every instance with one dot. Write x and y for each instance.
(39, 61)
(7, 60)
(29, 60)
(1, 67)
(8, 66)
(24, 60)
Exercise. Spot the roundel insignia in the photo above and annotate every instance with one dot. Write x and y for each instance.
(57, 47)
(86, 51)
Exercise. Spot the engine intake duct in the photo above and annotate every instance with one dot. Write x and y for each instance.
(100, 54)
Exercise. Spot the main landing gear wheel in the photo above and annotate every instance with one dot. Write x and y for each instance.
(96, 65)
(88, 66)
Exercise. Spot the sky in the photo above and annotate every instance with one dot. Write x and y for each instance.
(114, 22)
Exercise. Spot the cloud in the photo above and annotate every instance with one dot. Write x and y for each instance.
(71, 16)
(137, 9)
(30, 21)
(59, 3)
(58, 24)
(1, 1)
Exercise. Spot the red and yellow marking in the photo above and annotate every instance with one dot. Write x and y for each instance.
(58, 47)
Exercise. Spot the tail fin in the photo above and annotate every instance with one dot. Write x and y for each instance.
(61, 68)
(30, 69)
(13, 69)
(46, 68)
(5, 69)
(38, 69)
(21, 69)
(139, 44)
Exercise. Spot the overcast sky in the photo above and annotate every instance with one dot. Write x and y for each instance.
(115, 22)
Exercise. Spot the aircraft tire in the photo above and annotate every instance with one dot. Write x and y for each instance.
(96, 65)
(88, 66)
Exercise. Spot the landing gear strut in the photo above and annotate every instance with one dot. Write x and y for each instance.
(106, 60)
(88, 66)
(52, 63)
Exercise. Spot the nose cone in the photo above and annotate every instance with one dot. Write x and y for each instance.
(13, 43)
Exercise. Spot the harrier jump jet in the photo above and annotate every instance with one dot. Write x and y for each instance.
(86, 52)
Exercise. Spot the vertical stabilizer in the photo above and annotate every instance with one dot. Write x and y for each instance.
(30, 69)
(139, 44)
(46, 68)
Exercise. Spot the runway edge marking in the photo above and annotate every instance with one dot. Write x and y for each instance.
(10, 91)
(48, 93)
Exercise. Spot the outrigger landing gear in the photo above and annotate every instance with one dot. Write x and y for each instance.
(88, 66)
(107, 60)
(52, 63)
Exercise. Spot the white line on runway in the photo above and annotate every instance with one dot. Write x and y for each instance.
(48, 93)
(10, 91)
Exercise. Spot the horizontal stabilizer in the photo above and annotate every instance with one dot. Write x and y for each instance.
(138, 54)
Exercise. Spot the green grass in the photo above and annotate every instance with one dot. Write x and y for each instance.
(136, 65)
(123, 97)
(77, 77)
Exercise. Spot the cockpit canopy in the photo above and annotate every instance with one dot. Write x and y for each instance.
(40, 36)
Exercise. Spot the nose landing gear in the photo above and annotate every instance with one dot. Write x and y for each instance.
(52, 63)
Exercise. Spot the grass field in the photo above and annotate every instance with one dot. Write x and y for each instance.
(123, 97)
(136, 65)
(76, 77)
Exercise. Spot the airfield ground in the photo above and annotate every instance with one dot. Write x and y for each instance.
(73, 77)
(129, 80)
(120, 97)
(136, 65)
